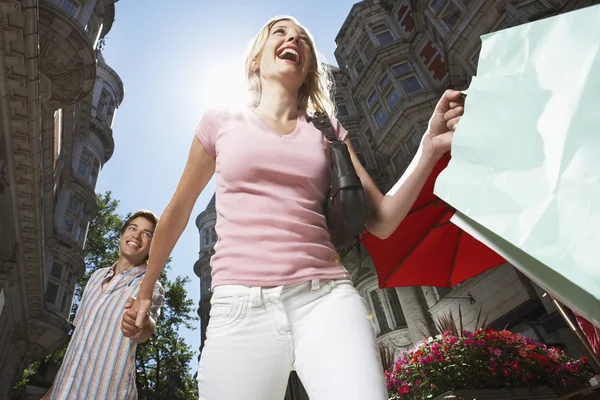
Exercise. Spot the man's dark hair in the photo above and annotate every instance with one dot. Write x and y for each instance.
(149, 215)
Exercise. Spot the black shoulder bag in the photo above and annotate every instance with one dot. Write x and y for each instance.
(346, 205)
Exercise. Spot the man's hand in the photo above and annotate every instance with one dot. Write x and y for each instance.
(128, 324)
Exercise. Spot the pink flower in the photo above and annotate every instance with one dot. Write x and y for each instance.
(493, 363)
(497, 352)
(418, 382)
(428, 359)
(569, 367)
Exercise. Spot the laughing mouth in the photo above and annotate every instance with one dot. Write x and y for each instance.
(133, 244)
(290, 55)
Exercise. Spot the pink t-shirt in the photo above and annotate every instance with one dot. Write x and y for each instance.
(270, 200)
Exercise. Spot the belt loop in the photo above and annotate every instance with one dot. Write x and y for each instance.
(315, 284)
(255, 297)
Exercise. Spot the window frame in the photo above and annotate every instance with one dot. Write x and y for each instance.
(64, 5)
(407, 78)
(64, 292)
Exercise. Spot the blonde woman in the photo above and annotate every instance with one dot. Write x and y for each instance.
(281, 299)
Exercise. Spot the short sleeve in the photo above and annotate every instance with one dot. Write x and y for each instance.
(206, 130)
(339, 130)
(158, 297)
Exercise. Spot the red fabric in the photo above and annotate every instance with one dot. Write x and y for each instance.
(591, 333)
(427, 249)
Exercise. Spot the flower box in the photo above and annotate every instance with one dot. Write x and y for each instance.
(486, 364)
(536, 393)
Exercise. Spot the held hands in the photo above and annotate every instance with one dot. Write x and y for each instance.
(129, 324)
(443, 122)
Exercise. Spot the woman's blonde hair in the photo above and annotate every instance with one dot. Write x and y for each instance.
(314, 93)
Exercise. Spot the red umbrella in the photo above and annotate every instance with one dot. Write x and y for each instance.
(427, 249)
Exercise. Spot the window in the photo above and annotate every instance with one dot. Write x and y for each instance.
(358, 63)
(104, 102)
(410, 85)
(85, 163)
(452, 11)
(355, 143)
(379, 312)
(206, 282)
(396, 308)
(362, 159)
(435, 5)
(392, 98)
(110, 112)
(51, 292)
(450, 15)
(95, 170)
(414, 141)
(380, 116)
(59, 293)
(75, 224)
(74, 206)
(88, 167)
(402, 69)
(342, 110)
(441, 292)
(69, 224)
(56, 271)
(373, 99)
(70, 6)
(383, 34)
(385, 82)
(367, 48)
(210, 236)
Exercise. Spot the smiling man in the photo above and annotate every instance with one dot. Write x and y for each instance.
(100, 360)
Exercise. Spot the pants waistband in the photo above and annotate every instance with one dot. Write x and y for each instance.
(256, 293)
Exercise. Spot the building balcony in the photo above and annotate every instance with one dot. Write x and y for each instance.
(104, 132)
(67, 56)
(46, 333)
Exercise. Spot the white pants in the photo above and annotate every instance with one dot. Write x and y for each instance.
(321, 329)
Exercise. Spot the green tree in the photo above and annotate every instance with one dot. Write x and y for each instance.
(163, 362)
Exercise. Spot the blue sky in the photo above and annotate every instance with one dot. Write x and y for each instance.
(173, 58)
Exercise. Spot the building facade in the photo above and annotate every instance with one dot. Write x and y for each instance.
(57, 102)
(396, 59)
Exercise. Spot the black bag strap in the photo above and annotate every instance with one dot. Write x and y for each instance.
(323, 123)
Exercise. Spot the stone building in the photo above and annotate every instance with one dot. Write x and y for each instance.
(57, 102)
(396, 58)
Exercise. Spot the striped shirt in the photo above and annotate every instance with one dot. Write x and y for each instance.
(100, 361)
